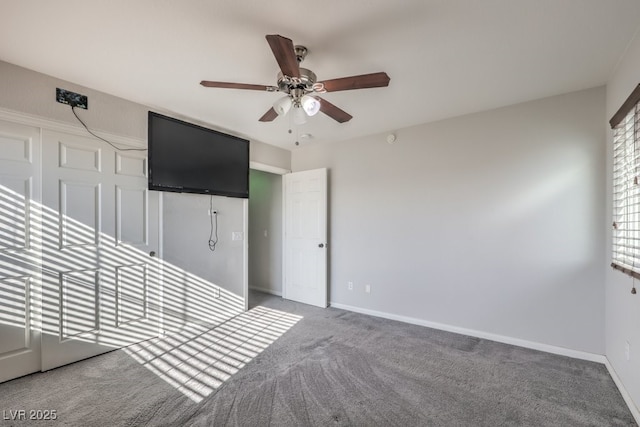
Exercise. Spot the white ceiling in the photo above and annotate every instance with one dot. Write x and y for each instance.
(445, 57)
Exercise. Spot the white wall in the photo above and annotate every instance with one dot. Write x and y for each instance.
(265, 217)
(491, 222)
(622, 308)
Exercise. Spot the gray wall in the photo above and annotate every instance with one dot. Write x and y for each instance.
(191, 269)
(490, 222)
(265, 215)
(34, 93)
(187, 226)
(270, 155)
(622, 308)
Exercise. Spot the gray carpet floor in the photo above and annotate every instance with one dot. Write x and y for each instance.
(288, 364)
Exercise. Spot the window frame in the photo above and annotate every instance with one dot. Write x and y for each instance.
(625, 243)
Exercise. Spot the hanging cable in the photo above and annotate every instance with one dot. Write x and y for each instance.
(213, 233)
(73, 109)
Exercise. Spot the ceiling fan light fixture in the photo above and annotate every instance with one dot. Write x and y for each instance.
(299, 116)
(310, 105)
(282, 105)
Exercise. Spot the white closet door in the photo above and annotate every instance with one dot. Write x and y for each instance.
(19, 250)
(100, 285)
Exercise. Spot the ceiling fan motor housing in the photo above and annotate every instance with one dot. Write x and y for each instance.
(305, 81)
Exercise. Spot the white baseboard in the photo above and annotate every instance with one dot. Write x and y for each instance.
(623, 391)
(266, 291)
(576, 354)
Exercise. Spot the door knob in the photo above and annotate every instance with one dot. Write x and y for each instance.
(152, 253)
(321, 245)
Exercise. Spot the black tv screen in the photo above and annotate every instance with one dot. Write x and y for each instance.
(184, 157)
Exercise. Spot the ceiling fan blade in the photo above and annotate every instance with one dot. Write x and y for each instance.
(226, 85)
(363, 81)
(269, 116)
(332, 111)
(285, 54)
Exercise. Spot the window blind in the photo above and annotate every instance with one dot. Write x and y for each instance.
(626, 192)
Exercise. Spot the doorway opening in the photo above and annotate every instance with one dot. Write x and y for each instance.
(265, 232)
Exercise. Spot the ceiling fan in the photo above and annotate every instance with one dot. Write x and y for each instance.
(301, 85)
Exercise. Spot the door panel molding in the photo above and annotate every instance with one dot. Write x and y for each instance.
(131, 165)
(15, 148)
(15, 212)
(131, 293)
(79, 157)
(15, 315)
(79, 303)
(73, 230)
(132, 228)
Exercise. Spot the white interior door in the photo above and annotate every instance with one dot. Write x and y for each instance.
(305, 237)
(100, 286)
(19, 250)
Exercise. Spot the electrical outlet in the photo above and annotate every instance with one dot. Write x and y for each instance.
(367, 288)
(627, 350)
(350, 285)
(71, 98)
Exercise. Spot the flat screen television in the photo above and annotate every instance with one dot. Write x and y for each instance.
(184, 157)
